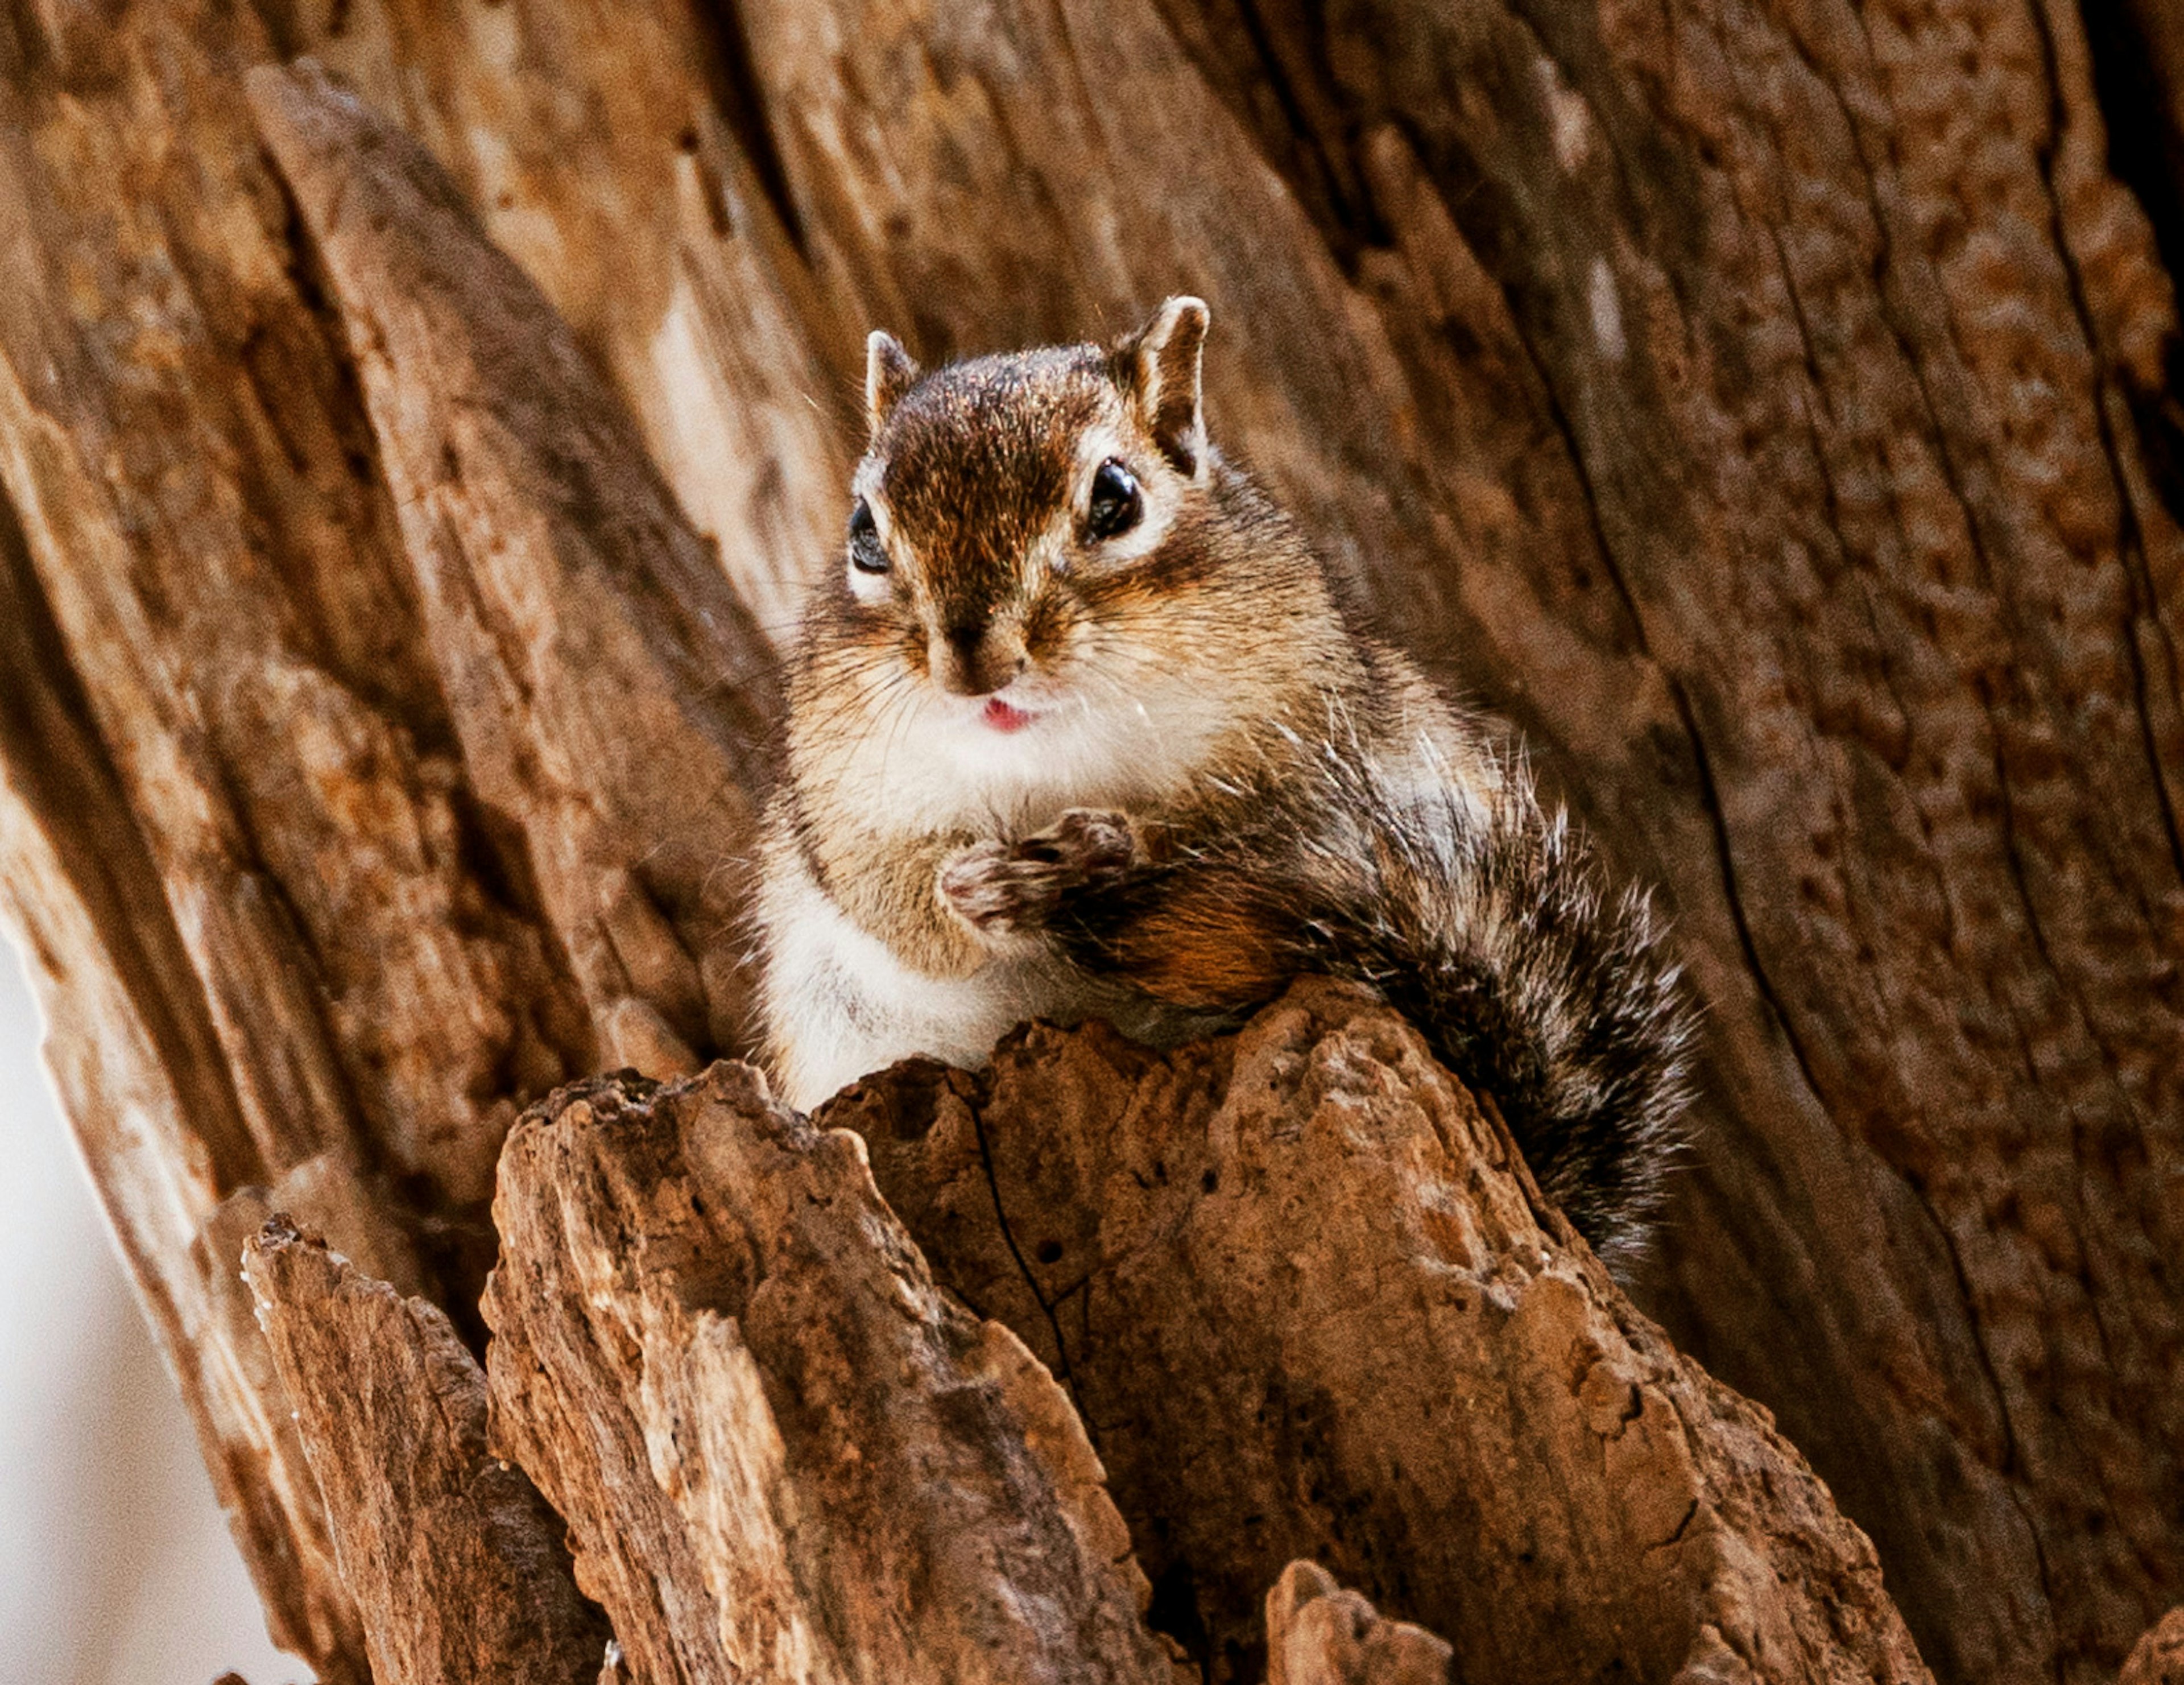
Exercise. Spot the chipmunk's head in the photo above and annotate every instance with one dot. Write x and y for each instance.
(1040, 561)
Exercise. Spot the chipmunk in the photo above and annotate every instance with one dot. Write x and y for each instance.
(1082, 727)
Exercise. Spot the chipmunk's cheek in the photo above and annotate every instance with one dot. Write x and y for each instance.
(872, 590)
(1047, 629)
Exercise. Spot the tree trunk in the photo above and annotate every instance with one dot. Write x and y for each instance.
(1771, 411)
(1308, 1295)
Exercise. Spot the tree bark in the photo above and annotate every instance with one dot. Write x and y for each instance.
(1771, 411)
(1319, 1634)
(784, 1454)
(1308, 1305)
(1311, 1307)
(451, 1554)
(313, 834)
(2158, 1658)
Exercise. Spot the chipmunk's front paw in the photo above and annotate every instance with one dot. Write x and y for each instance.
(1091, 845)
(1001, 887)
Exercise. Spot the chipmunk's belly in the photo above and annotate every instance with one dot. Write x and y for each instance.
(840, 1005)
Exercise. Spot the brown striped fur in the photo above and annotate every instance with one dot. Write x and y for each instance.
(1216, 779)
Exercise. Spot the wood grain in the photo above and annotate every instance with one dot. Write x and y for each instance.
(312, 911)
(1305, 1295)
(1770, 409)
(610, 694)
(1319, 1634)
(455, 1557)
(782, 1451)
(2158, 1659)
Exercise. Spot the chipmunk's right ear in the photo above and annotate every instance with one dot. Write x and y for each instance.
(889, 373)
(1158, 367)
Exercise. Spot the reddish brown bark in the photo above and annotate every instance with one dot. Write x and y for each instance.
(1305, 1295)
(455, 1559)
(2158, 1659)
(1305, 1304)
(1769, 410)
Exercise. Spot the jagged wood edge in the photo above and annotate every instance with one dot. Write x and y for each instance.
(780, 1450)
(455, 1563)
(1309, 1307)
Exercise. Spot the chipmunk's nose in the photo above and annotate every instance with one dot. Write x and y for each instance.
(974, 657)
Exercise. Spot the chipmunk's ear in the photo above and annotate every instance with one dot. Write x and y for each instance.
(889, 373)
(1158, 367)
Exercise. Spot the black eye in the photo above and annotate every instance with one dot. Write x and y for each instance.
(866, 555)
(1116, 505)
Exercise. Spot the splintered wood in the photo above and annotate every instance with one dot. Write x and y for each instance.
(359, 786)
(1309, 1313)
(602, 678)
(1319, 1634)
(1305, 1300)
(782, 1451)
(456, 1561)
(2158, 1659)
(1771, 409)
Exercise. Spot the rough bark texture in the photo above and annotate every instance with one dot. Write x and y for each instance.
(451, 1552)
(607, 689)
(1772, 408)
(1306, 1299)
(783, 1452)
(1302, 1294)
(699, 1434)
(356, 797)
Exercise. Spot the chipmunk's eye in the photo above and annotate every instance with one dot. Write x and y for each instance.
(1116, 504)
(866, 555)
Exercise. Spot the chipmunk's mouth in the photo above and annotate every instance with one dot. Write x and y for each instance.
(1003, 717)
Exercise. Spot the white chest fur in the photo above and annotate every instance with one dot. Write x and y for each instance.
(842, 1006)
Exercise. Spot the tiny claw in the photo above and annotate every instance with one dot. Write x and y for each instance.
(976, 885)
(1000, 886)
(1097, 843)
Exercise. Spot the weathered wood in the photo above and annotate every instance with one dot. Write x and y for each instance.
(212, 694)
(1744, 399)
(608, 691)
(1304, 1289)
(288, 937)
(622, 156)
(1770, 409)
(1751, 404)
(781, 1452)
(451, 1554)
(1309, 1306)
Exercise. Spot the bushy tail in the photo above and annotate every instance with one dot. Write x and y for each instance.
(1474, 913)
(1483, 920)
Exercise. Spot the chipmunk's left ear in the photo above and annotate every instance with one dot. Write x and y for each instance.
(1158, 367)
(889, 373)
